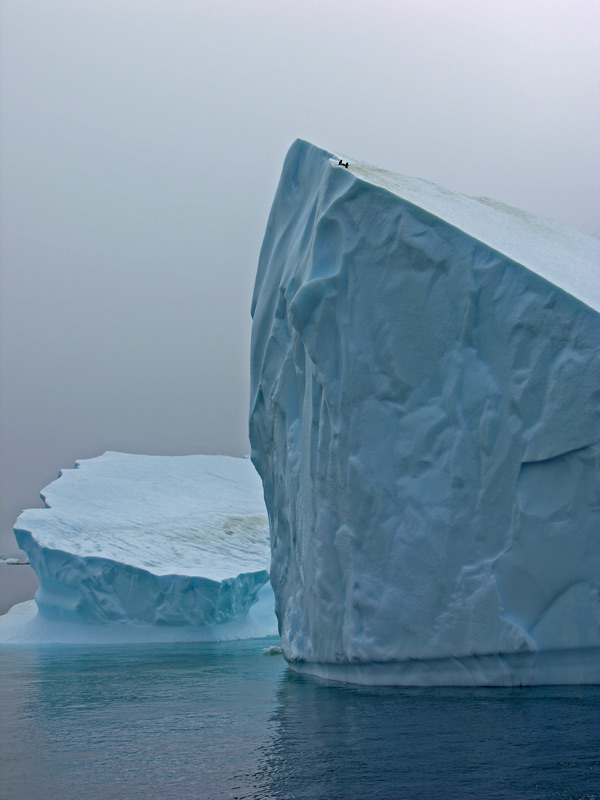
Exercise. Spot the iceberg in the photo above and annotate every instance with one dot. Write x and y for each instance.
(424, 415)
(147, 548)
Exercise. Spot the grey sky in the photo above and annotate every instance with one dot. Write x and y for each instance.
(141, 144)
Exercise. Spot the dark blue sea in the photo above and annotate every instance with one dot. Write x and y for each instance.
(204, 721)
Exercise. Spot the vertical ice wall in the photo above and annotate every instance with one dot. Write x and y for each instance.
(425, 419)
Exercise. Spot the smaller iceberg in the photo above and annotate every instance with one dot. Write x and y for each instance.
(147, 548)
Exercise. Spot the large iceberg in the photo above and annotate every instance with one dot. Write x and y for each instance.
(425, 419)
(147, 548)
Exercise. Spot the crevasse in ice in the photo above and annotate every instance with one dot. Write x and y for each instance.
(425, 419)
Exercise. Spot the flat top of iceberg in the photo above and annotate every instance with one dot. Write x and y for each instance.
(566, 257)
(184, 515)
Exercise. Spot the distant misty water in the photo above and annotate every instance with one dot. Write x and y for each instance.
(198, 721)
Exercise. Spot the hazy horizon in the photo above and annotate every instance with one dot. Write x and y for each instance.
(141, 145)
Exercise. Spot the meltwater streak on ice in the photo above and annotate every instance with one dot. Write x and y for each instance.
(147, 548)
(211, 721)
(425, 416)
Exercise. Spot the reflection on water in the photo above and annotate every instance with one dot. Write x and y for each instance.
(162, 721)
(334, 740)
(208, 721)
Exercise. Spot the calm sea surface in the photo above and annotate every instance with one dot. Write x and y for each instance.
(211, 721)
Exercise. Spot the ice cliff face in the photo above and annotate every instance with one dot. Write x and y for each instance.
(425, 419)
(164, 541)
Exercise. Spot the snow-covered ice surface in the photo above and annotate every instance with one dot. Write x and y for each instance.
(147, 548)
(425, 418)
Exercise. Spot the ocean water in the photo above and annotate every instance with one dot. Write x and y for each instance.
(207, 721)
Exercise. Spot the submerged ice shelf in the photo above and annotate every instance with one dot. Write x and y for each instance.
(425, 417)
(148, 548)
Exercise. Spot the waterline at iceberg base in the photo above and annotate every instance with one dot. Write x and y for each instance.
(425, 419)
(147, 548)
